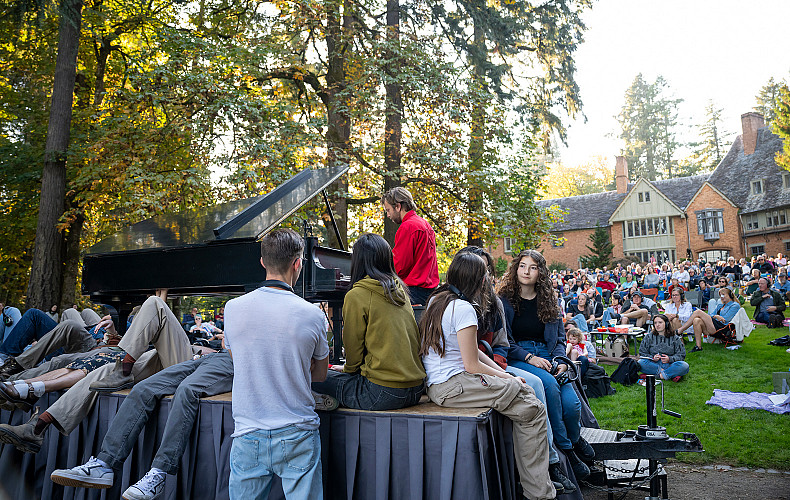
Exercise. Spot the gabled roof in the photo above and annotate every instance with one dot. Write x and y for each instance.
(586, 210)
(632, 188)
(681, 189)
(734, 174)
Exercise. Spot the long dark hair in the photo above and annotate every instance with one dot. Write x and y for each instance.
(465, 274)
(548, 310)
(668, 331)
(490, 317)
(372, 256)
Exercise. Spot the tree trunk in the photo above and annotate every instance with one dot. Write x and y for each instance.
(45, 274)
(394, 113)
(71, 263)
(476, 144)
(338, 130)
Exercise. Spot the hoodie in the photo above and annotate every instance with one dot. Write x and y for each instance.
(380, 338)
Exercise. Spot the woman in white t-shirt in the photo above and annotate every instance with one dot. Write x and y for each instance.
(678, 309)
(460, 375)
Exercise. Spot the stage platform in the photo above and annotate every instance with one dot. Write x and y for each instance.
(420, 452)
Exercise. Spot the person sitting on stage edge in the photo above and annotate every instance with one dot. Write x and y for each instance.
(461, 376)
(24, 392)
(383, 370)
(414, 251)
(208, 375)
(491, 328)
(156, 324)
(278, 344)
(9, 318)
(533, 320)
(662, 353)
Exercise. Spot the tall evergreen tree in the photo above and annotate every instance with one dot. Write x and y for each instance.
(601, 249)
(709, 149)
(648, 121)
(767, 100)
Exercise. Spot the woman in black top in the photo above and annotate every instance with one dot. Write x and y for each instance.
(534, 320)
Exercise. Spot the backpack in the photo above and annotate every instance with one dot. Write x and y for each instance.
(627, 373)
(596, 382)
(617, 348)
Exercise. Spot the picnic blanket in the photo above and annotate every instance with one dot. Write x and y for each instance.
(754, 401)
(786, 322)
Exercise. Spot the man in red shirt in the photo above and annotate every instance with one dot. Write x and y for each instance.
(414, 251)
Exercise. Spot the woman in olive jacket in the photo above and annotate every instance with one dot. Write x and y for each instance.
(383, 370)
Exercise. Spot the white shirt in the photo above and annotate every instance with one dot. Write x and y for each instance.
(458, 314)
(685, 310)
(273, 335)
(682, 276)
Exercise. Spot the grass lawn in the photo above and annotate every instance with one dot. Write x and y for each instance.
(751, 438)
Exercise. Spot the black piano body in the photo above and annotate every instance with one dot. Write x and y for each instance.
(215, 251)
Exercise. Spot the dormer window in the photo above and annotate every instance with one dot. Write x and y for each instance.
(786, 181)
(758, 187)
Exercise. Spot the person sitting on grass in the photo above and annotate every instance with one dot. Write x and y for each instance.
(383, 370)
(766, 302)
(782, 284)
(662, 353)
(678, 309)
(704, 324)
(635, 312)
(754, 283)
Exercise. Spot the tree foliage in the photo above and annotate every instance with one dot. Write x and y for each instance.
(594, 176)
(767, 100)
(781, 126)
(182, 104)
(709, 149)
(601, 249)
(648, 121)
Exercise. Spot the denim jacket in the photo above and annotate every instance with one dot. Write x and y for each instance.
(553, 335)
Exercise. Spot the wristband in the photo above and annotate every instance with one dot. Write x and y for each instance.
(530, 356)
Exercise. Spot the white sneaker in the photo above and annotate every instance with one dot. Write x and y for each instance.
(91, 475)
(324, 402)
(149, 487)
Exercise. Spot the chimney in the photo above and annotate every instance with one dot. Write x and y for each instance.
(621, 174)
(751, 123)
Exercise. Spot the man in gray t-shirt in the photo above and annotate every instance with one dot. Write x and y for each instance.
(278, 344)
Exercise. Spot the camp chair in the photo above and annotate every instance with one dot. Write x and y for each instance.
(651, 293)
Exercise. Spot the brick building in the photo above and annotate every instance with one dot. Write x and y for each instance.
(740, 209)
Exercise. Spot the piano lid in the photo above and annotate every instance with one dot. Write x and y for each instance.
(250, 218)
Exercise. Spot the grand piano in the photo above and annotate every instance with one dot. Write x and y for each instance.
(216, 251)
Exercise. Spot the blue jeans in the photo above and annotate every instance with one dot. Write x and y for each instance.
(291, 453)
(665, 371)
(562, 403)
(353, 390)
(33, 325)
(15, 315)
(209, 375)
(762, 317)
(537, 386)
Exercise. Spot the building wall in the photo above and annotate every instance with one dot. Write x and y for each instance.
(574, 247)
(616, 235)
(773, 243)
(730, 238)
